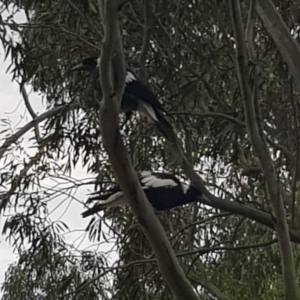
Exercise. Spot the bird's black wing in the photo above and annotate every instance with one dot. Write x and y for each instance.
(135, 92)
(165, 198)
(138, 90)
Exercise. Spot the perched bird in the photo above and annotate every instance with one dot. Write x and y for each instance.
(163, 190)
(137, 96)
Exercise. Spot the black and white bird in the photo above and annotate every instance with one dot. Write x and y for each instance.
(163, 190)
(137, 96)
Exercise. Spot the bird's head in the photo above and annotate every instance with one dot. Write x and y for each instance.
(88, 64)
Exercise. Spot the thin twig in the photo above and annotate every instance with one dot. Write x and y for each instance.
(210, 114)
(84, 17)
(48, 114)
(59, 28)
(31, 111)
(146, 39)
(17, 180)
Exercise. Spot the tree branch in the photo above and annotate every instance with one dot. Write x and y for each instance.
(296, 172)
(249, 39)
(112, 141)
(146, 39)
(84, 17)
(31, 111)
(48, 114)
(220, 203)
(59, 28)
(200, 251)
(279, 32)
(209, 199)
(239, 209)
(17, 180)
(263, 155)
(212, 115)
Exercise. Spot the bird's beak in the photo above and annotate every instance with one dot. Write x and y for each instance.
(79, 67)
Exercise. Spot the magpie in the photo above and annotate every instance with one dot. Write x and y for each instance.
(137, 96)
(164, 191)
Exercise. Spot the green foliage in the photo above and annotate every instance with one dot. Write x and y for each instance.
(190, 66)
(56, 274)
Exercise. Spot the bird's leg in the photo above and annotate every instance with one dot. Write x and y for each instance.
(128, 116)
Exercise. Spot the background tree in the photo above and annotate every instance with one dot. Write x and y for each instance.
(227, 245)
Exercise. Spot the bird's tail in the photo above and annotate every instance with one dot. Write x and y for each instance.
(111, 200)
(166, 128)
(95, 209)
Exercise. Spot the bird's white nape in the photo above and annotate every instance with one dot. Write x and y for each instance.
(98, 62)
(129, 77)
(185, 188)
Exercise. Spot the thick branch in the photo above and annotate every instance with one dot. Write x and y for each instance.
(223, 204)
(249, 40)
(112, 140)
(279, 32)
(220, 203)
(264, 157)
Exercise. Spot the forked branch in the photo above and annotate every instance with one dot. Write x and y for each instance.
(113, 143)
